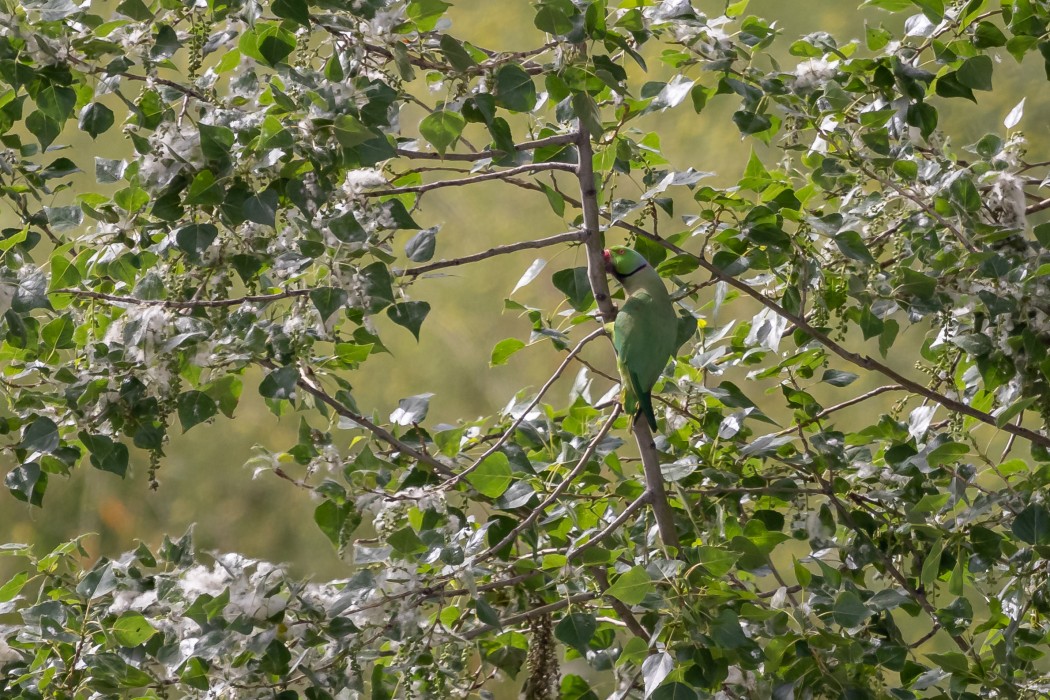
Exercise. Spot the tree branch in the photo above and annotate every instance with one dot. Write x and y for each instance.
(654, 481)
(568, 237)
(463, 181)
(599, 282)
(592, 229)
(839, 406)
(189, 303)
(492, 153)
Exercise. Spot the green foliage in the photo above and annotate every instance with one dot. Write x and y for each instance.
(204, 193)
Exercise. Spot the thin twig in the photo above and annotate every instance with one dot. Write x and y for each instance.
(463, 181)
(189, 303)
(839, 406)
(568, 237)
(492, 153)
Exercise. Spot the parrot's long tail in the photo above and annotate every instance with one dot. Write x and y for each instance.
(645, 407)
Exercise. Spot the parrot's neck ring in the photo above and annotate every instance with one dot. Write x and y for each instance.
(637, 269)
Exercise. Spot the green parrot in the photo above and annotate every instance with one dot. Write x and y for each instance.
(645, 332)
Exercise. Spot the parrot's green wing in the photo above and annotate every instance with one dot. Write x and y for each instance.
(644, 336)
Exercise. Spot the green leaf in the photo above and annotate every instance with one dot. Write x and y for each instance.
(836, 377)
(10, 589)
(632, 586)
(406, 541)
(1042, 234)
(1032, 525)
(987, 36)
(726, 631)
(576, 630)
(96, 119)
(426, 13)
(917, 284)
(45, 128)
(456, 55)
(750, 122)
(136, 10)
(584, 106)
(442, 128)
(487, 614)
(503, 350)
(717, 560)
(674, 690)
(106, 454)
(931, 563)
(965, 194)
(377, 287)
(195, 239)
(27, 483)
(924, 117)
(409, 314)
(852, 246)
(40, 436)
(976, 73)
(849, 610)
(949, 85)
(132, 629)
(574, 284)
(204, 190)
(420, 248)
(513, 89)
(493, 476)
(267, 43)
(195, 407)
(295, 10)
(328, 300)
(336, 521)
(56, 101)
(346, 229)
(216, 142)
(280, 383)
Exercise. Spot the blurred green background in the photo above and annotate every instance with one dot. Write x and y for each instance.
(203, 479)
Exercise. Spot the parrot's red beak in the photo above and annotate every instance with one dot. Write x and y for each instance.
(607, 256)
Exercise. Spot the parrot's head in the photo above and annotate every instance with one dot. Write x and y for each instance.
(623, 262)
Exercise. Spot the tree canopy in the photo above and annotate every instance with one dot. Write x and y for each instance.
(845, 496)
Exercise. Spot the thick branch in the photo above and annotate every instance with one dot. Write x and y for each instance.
(591, 227)
(463, 181)
(621, 609)
(862, 361)
(521, 416)
(600, 288)
(482, 155)
(569, 237)
(654, 481)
